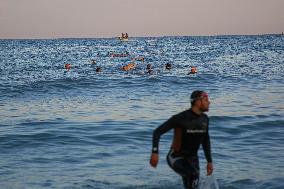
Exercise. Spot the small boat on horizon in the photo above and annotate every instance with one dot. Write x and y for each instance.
(123, 37)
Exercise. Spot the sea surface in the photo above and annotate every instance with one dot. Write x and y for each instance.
(82, 129)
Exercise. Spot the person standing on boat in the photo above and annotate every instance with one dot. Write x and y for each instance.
(190, 131)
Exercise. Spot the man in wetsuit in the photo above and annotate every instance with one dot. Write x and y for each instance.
(190, 130)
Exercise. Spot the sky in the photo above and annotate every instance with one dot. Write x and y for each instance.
(109, 18)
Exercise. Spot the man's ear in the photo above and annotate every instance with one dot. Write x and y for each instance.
(198, 102)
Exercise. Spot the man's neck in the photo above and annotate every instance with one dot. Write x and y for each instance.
(196, 110)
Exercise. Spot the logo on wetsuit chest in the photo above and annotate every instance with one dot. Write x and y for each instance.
(200, 128)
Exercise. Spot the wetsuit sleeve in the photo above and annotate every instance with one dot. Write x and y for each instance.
(165, 127)
(206, 145)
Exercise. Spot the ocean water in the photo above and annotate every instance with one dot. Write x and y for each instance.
(80, 129)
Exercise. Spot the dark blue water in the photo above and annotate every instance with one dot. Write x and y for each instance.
(80, 129)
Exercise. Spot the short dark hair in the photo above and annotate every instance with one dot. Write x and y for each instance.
(195, 95)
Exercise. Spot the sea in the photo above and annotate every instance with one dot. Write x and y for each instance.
(81, 129)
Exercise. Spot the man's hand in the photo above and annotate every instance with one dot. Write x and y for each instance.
(209, 168)
(154, 159)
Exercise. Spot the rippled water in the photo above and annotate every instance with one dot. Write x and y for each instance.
(82, 129)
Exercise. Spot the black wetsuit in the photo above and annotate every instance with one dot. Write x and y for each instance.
(183, 158)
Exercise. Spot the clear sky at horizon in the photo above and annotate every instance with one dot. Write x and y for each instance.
(109, 18)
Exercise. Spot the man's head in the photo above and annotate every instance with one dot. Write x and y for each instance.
(200, 101)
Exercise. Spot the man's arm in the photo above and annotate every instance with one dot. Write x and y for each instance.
(207, 148)
(207, 151)
(165, 127)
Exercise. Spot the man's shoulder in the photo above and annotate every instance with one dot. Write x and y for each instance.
(182, 114)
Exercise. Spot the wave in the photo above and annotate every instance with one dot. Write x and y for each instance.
(275, 183)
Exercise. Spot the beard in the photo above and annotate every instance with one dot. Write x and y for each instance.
(204, 109)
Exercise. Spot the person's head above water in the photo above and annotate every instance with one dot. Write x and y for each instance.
(199, 101)
(168, 66)
(98, 69)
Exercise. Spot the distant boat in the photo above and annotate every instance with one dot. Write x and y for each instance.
(123, 39)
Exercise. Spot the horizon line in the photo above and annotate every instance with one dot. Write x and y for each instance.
(154, 36)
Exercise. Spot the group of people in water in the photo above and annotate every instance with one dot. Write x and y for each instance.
(132, 65)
